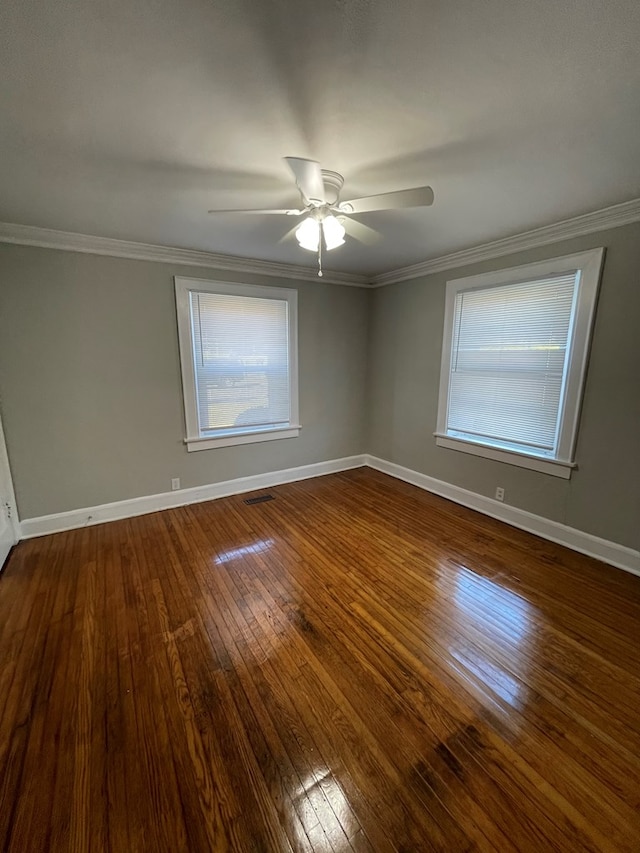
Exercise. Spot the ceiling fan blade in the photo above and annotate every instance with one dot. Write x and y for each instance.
(290, 233)
(417, 197)
(268, 211)
(359, 231)
(308, 178)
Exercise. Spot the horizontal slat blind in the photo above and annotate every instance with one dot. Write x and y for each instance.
(241, 358)
(507, 362)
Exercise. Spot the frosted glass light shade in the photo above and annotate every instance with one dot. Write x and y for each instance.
(308, 235)
(333, 232)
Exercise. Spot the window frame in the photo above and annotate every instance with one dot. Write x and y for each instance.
(589, 264)
(194, 439)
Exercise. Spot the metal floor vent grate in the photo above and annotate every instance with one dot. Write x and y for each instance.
(260, 499)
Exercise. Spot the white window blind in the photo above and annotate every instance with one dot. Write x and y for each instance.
(241, 362)
(509, 356)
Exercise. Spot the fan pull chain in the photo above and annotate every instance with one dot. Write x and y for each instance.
(320, 256)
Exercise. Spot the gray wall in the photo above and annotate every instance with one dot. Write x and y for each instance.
(90, 380)
(603, 495)
(92, 403)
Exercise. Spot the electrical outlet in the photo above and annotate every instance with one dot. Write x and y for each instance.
(175, 484)
(499, 493)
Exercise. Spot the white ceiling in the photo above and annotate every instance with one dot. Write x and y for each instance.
(130, 120)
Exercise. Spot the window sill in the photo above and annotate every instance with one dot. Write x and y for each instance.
(241, 438)
(546, 466)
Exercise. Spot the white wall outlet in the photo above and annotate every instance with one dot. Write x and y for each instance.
(499, 493)
(175, 484)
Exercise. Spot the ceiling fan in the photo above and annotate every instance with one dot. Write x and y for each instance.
(326, 218)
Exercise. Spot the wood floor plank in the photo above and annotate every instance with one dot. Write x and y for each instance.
(367, 687)
(345, 685)
(224, 744)
(356, 665)
(46, 707)
(276, 698)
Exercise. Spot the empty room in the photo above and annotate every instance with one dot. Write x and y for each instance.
(319, 426)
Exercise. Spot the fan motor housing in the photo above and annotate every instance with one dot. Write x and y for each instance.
(333, 183)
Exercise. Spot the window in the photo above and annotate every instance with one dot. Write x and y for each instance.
(238, 349)
(514, 360)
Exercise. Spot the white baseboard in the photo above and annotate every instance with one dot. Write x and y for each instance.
(609, 552)
(86, 516)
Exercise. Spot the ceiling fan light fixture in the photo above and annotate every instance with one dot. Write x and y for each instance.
(319, 191)
(308, 234)
(333, 233)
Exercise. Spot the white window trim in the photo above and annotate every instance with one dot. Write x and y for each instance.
(589, 264)
(244, 435)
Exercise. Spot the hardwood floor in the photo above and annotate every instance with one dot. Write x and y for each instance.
(355, 665)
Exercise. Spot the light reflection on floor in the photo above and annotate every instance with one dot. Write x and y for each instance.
(484, 607)
(495, 678)
(235, 553)
(486, 600)
(330, 809)
(246, 647)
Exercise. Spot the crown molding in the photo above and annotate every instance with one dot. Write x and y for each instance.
(588, 223)
(599, 220)
(47, 238)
